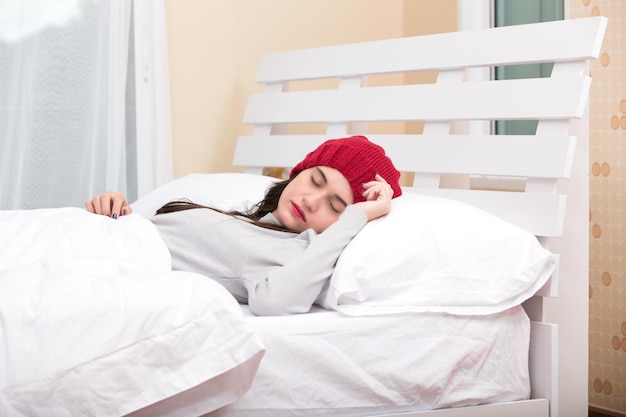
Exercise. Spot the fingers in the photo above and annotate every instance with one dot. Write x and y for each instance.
(378, 194)
(89, 206)
(103, 204)
(94, 205)
(116, 206)
(112, 204)
(377, 189)
(126, 209)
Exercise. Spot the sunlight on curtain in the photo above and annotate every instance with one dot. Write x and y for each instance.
(66, 117)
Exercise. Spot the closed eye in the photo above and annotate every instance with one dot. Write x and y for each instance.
(323, 181)
(331, 202)
(337, 204)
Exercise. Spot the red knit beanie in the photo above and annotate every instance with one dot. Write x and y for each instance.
(358, 159)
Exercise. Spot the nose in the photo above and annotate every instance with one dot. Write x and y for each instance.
(312, 200)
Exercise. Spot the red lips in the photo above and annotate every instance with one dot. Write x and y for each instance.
(297, 211)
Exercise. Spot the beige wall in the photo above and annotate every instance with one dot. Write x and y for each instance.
(215, 45)
(607, 210)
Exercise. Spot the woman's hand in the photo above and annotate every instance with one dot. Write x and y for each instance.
(111, 204)
(378, 194)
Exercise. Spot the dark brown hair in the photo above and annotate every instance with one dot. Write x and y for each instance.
(254, 214)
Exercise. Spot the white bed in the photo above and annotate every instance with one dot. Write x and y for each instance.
(87, 332)
(369, 88)
(463, 338)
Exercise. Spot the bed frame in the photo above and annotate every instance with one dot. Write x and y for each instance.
(526, 180)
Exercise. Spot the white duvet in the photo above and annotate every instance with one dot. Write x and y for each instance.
(93, 322)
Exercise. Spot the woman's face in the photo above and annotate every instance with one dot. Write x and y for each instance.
(314, 199)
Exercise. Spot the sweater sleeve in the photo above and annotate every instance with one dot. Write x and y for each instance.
(293, 287)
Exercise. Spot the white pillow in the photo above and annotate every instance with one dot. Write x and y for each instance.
(225, 191)
(436, 254)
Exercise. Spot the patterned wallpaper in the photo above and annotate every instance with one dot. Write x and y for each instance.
(607, 209)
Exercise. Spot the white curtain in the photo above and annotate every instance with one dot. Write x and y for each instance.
(154, 131)
(69, 114)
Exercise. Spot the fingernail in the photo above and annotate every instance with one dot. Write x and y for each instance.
(115, 216)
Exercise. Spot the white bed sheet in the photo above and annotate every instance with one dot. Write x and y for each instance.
(93, 322)
(328, 364)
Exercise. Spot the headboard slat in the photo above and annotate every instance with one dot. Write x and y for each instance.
(551, 98)
(478, 48)
(519, 156)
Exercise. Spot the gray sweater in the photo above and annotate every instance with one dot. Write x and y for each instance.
(274, 272)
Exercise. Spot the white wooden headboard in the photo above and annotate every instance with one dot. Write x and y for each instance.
(444, 159)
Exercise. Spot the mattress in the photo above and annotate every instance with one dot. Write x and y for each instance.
(328, 364)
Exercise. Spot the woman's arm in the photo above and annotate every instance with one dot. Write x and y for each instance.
(112, 204)
(294, 287)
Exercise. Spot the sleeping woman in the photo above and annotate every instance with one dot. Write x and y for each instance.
(278, 257)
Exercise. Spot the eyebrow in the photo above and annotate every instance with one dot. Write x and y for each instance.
(341, 200)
